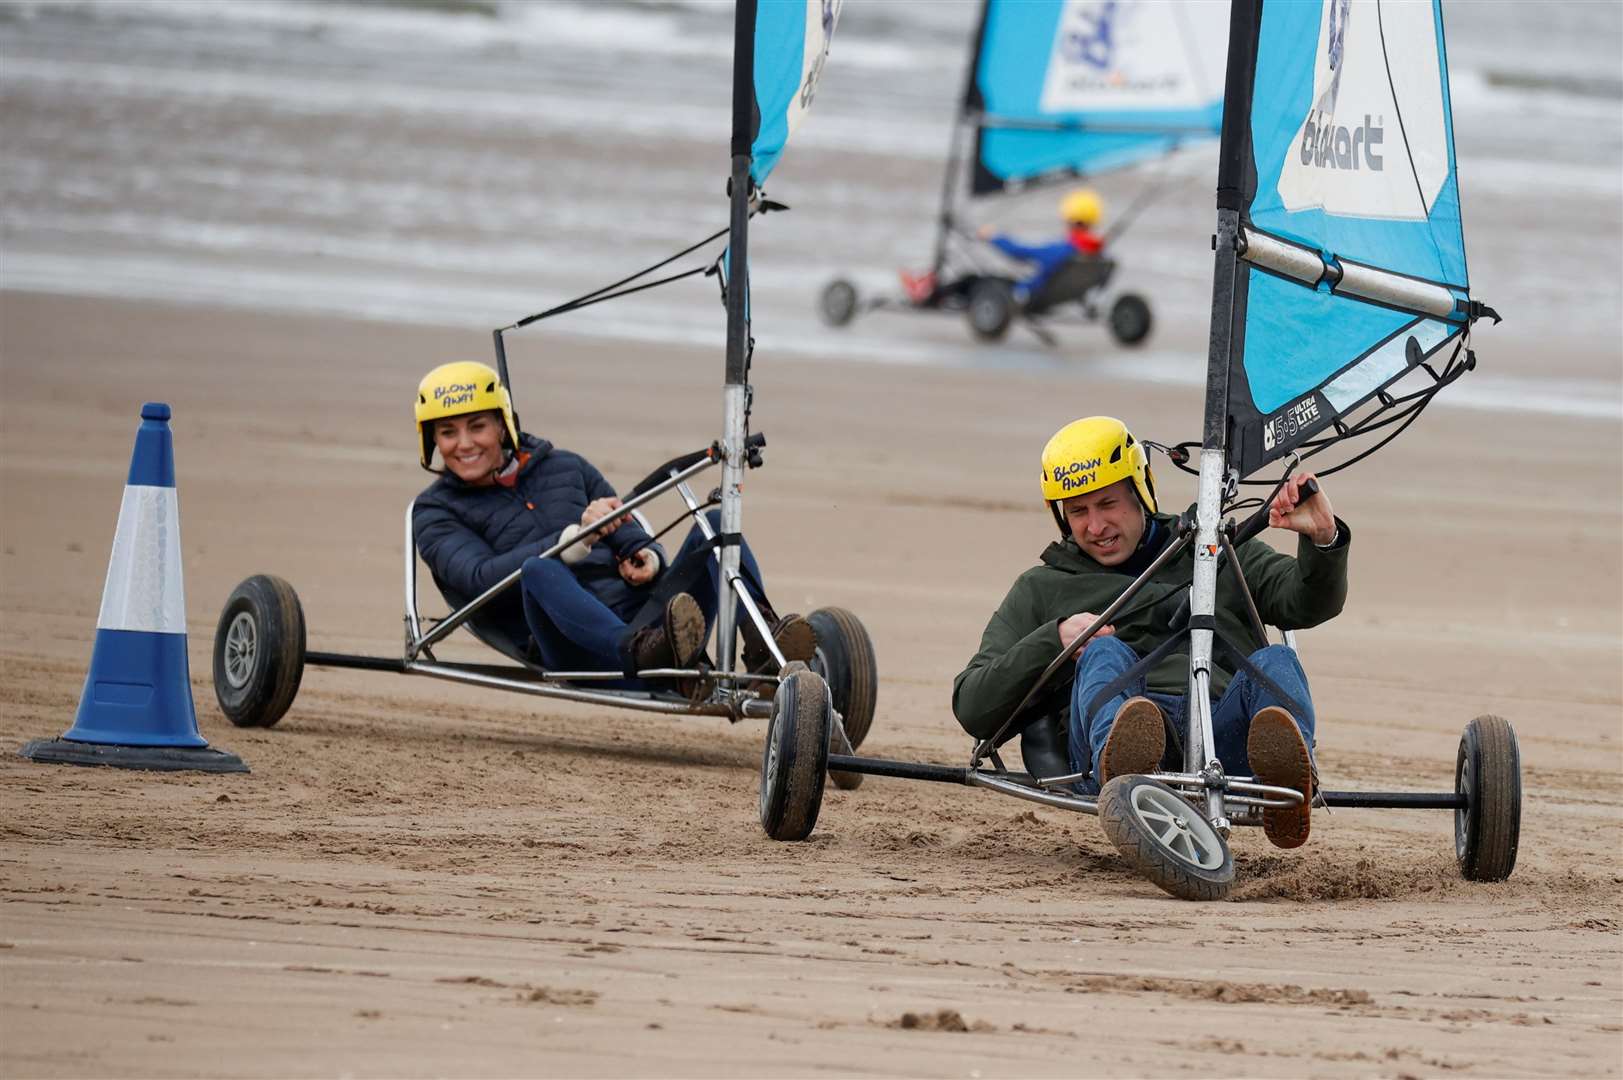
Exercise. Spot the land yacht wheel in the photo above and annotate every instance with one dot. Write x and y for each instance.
(794, 764)
(259, 651)
(1166, 838)
(1488, 772)
(838, 303)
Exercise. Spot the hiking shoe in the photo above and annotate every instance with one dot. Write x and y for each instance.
(1279, 756)
(793, 635)
(675, 641)
(1137, 740)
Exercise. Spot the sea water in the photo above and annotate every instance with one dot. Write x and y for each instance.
(467, 162)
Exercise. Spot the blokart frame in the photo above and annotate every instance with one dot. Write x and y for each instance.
(732, 694)
(1174, 826)
(990, 299)
(260, 641)
(260, 654)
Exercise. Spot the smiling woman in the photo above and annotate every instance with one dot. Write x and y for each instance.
(472, 446)
(504, 496)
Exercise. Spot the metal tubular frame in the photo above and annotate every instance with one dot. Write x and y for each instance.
(736, 582)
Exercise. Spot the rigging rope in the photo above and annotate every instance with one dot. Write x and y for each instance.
(1402, 411)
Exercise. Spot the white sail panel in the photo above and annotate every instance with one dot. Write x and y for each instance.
(1377, 106)
(1112, 55)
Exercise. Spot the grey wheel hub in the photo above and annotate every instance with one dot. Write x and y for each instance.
(241, 650)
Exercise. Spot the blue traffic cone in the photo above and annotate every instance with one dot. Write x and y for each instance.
(136, 710)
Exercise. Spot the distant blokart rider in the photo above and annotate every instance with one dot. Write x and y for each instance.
(1081, 211)
(505, 496)
(1097, 482)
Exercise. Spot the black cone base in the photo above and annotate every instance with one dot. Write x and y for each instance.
(161, 758)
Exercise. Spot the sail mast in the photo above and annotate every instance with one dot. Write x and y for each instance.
(734, 390)
(1228, 317)
(949, 183)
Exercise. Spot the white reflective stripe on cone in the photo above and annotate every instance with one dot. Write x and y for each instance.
(144, 590)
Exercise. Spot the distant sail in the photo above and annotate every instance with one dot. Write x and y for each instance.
(1064, 88)
(1353, 252)
(791, 46)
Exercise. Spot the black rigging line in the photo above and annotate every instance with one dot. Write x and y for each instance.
(587, 299)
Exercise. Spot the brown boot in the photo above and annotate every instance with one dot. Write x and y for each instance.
(675, 641)
(1137, 740)
(793, 635)
(1279, 756)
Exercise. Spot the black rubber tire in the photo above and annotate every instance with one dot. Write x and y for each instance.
(838, 303)
(845, 660)
(1130, 319)
(1122, 806)
(794, 764)
(990, 309)
(1488, 772)
(259, 652)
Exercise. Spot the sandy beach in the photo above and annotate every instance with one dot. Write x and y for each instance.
(419, 880)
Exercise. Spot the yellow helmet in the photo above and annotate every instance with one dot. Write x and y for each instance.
(1082, 207)
(465, 386)
(1091, 454)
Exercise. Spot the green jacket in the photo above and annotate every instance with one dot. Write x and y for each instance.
(1023, 636)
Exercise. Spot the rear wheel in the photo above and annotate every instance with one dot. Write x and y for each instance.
(845, 660)
(795, 761)
(1488, 772)
(838, 304)
(1130, 319)
(991, 308)
(259, 651)
(1166, 838)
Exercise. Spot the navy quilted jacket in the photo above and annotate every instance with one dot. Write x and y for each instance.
(472, 537)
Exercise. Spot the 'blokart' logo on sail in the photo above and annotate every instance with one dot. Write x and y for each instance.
(1116, 54)
(1325, 144)
(1090, 40)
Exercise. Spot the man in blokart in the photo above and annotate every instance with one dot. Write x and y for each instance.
(504, 496)
(1080, 211)
(1097, 482)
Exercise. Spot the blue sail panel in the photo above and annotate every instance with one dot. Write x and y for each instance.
(791, 46)
(1312, 378)
(1076, 87)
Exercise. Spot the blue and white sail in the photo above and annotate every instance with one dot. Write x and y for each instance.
(1067, 88)
(792, 38)
(1352, 250)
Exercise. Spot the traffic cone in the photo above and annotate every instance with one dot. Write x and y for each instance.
(136, 710)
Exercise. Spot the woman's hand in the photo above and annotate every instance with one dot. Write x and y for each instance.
(640, 568)
(1310, 516)
(598, 508)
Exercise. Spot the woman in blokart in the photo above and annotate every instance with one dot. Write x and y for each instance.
(504, 496)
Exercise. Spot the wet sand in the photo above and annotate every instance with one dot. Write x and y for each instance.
(419, 879)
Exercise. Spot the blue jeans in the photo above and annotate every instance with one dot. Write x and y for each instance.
(575, 631)
(1106, 658)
